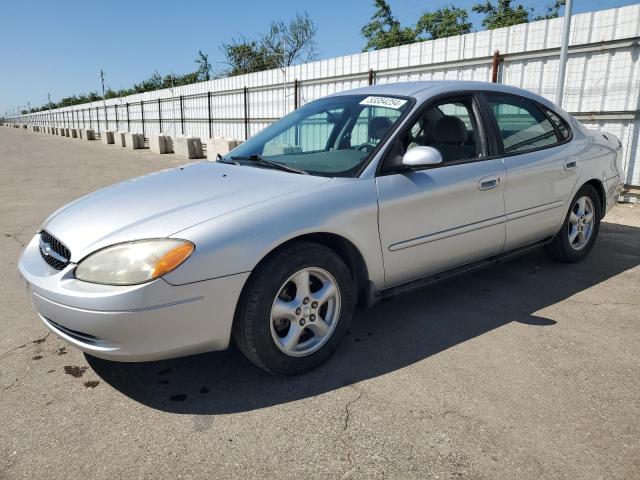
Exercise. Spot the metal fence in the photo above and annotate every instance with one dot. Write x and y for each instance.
(602, 86)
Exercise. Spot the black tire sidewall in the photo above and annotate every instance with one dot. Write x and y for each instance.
(267, 282)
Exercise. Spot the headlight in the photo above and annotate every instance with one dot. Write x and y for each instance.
(134, 262)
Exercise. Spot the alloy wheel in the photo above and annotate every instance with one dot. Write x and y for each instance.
(581, 223)
(305, 312)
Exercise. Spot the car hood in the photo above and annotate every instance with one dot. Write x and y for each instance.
(163, 203)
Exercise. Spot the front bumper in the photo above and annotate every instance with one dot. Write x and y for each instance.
(152, 321)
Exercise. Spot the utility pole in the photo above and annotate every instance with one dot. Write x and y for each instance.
(104, 103)
(566, 28)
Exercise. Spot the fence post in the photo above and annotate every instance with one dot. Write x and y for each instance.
(128, 121)
(181, 117)
(372, 76)
(115, 111)
(98, 118)
(159, 117)
(296, 85)
(209, 114)
(106, 117)
(142, 116)
(494, 66)
(246, 113)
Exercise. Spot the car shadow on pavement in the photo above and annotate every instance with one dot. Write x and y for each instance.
(394, 334)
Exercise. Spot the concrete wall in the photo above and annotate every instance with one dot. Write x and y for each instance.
(602, 84)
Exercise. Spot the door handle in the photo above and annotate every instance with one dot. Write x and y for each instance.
(487, 183)
(570, 164)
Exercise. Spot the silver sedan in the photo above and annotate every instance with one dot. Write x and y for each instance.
(347, 200)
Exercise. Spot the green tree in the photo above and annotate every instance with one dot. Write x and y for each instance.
(444, 22)
(501, 14)
(293, 42)
(110, 93)
(553, 11)
(384, 30)
(283, 45)
(247, 56)
(204, 67)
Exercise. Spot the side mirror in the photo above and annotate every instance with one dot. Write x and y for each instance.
(421, 157)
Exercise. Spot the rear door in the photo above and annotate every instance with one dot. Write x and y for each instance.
(445, 216)
(541, 165)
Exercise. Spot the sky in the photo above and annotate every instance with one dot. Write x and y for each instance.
(59, 47)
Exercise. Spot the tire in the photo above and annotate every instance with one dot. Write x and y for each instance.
(274, 309)
(562, 248)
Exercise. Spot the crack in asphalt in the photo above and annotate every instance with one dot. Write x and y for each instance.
(14, 236)
(37, 341)
(345, 425)
(15, 380)
(604, 302)
(347, 413)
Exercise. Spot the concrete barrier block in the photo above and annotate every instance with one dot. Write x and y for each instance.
(25, 126)
(80, 134)
(188, 147)
(89, 134)
(61, 131)
(134, 141)
(74, 132)
(67, 132)
(107, 137)
(160, 144)
(220, 146)
(120, 139)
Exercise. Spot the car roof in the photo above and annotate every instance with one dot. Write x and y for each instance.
(423, 90)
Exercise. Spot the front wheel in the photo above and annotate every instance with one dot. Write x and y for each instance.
(580, 229)
(295, 310)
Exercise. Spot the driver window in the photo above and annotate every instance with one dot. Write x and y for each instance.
(310, 135)
(450, 127)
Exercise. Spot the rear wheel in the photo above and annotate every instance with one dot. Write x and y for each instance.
(580, 229)
(295, 310)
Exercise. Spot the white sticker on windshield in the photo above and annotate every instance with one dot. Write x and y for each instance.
(388, 102)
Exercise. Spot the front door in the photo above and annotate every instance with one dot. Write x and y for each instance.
(434, 219)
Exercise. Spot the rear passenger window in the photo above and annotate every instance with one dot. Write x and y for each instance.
(523, 126)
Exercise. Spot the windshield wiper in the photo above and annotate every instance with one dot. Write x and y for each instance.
(221, 159)
(260, 160)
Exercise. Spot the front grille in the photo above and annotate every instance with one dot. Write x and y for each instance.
(53, 252)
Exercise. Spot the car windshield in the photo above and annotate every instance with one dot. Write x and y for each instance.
(331, 137)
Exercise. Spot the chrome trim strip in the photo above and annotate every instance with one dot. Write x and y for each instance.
(532, 211)
(452, 232)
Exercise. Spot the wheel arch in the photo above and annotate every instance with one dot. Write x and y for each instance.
(341, 246)
(599, 187)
